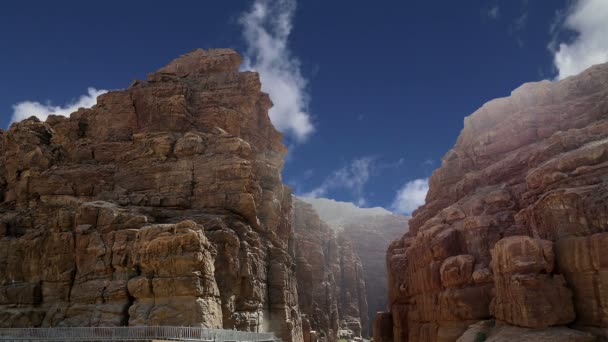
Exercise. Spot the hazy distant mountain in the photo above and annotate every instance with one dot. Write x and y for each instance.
(371, 230)
(336, 213)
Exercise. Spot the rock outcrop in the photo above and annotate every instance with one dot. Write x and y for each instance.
(515, 222)
(491, 331)
(331, 286)
(161, 205)
(370, 231)
(526, 292)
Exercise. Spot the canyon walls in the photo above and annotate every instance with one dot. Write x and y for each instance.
(331, 285)
(161, 205)
(515, 225)
(371, 231)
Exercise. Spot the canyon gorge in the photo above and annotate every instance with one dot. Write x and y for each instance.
(164, 204)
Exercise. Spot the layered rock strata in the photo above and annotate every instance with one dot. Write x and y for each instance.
(515, 220)
(161, 205)
(331, 285)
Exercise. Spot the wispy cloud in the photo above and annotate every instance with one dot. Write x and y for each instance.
(589, 20)
(519, 24)
(410, 196)
(309, 173)
(352, 177)
(428, 162)
(25, 109)
(266, 28)
(492, 12)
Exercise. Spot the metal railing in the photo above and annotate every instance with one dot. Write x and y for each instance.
(133, 334)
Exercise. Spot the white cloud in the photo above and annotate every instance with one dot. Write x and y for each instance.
(266, 27)
(309, 173)
(493, 12)
(589, 19)
(25, 109)
(351, 177)
(410, 196)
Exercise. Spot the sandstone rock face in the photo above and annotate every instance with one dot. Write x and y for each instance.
(383, 327)
(526, 293)
(161, 205)
(514, 220)
(371, 231)
(331, 286)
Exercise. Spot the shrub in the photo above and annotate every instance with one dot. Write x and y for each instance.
(481, 337)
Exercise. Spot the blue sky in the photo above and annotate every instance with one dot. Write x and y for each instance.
(374, 92)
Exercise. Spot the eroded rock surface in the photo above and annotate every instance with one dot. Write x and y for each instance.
(161, 205)
(491, 331)
(526, 293)
(514, 220)
(331, 285)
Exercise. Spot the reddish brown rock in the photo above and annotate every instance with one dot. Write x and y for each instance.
(527, 295)
(584, 263)
(383, 327)
(457, 271)
(533, 164)
(161, 205)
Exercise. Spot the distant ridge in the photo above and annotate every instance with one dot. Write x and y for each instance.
(337, 214)
(371, 231)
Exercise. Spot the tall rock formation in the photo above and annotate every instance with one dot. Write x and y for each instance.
(370, 231)
(161, 205)
(515, 223)
(331, 286)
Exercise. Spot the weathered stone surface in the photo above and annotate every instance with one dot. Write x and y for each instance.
(161, 205)
(457, 270)
(499, 332)
(583, 260)
(383, 327)
(527, 294)
(477, 332)
(331, 287)
(534, 164)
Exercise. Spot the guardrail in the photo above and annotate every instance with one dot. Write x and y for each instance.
(133, 334)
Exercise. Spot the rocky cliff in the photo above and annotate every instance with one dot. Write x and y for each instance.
(331, 286)
(161, 205)
(515, 224)
(370, 231)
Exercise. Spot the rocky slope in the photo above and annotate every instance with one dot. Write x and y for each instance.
(331, 287)
(371, 231)
(515, 224)
(161, 205)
